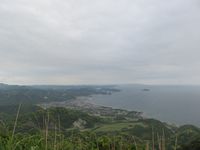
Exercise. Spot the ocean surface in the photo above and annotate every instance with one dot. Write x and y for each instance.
(173, 104)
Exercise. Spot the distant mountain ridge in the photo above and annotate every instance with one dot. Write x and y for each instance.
(15, 94)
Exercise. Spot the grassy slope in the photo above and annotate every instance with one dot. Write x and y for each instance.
(118, 126)
(32, 124)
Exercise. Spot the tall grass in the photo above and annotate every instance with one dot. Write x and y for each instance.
(53, 139)
(16, 119)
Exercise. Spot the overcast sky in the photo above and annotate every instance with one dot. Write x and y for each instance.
(100, 41)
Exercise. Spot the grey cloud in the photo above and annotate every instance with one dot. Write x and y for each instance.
(99, 42)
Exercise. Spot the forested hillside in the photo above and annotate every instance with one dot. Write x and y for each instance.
(66, 129)
(59, 118)
(14, 94)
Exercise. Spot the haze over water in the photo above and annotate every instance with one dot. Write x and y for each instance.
(173, 104)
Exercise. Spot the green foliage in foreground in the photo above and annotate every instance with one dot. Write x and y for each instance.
(54, 129)
(81, 141)
(192, 145)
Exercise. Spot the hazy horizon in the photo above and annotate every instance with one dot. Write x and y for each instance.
(111, 84)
